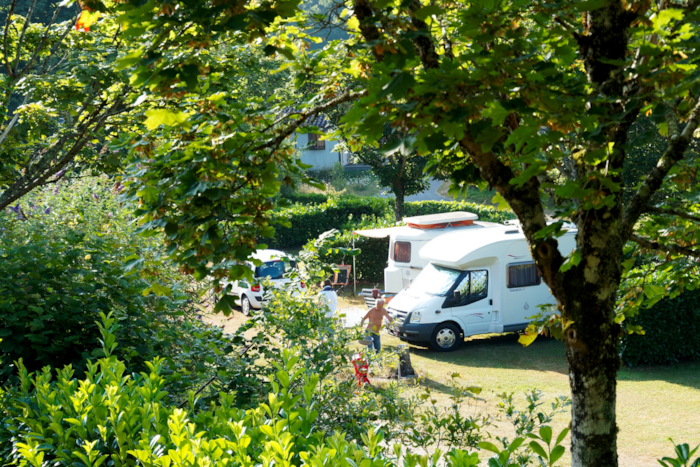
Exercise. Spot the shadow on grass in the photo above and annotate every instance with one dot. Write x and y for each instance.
(503, 351)
(547, 354)
(682, 374)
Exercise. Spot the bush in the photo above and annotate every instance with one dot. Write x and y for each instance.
(112, 417)
(308, 222)
(63, 265)
(672, 332)
(372, 259)
(485, 213)
(308, 199)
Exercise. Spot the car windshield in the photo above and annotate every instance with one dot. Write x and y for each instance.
(272, 269)
(435, 280)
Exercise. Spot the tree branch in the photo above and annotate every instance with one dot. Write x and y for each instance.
(525, 202)
(6, 54)
(365, 15)
(424, 42)
(27, 20)
(672, 212)
(292, 127)
(654, 179)
(40, 47)
(12, 123)
(674, 249)
(44, 168)
(56, 45)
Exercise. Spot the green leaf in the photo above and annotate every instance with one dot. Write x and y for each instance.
(398, 86)
(129, 59)
(557, 452)
(157, 117)
(546, 434)
(495, 111)
(539, 450)
(489, 447)
(429, 10)
(562, 435)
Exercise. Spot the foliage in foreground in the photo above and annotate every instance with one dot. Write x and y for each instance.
(114, 417)
(63, 263)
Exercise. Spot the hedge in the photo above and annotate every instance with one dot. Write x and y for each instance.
(372, 260)
(304, 198)
(308, 222)
(672, 332)
(485, 213)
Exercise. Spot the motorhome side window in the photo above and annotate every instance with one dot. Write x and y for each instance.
(523, 275)
(402, 252)
(473, 287)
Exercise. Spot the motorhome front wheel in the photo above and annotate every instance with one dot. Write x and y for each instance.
(446, 338)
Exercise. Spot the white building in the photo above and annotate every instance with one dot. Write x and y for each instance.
(317, 151)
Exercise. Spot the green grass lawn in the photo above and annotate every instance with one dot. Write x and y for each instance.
(654, 403)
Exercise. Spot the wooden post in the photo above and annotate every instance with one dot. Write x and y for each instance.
(405, 368)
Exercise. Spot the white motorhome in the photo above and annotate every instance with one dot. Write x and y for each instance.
(478, 282)
(405, 243)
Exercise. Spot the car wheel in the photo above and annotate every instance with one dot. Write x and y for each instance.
(245, 305)
(446, 338)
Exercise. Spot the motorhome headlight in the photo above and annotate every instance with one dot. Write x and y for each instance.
(415, 316)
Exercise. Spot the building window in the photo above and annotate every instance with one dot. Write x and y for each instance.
(523, 275)
(315, 142)
(402, 252)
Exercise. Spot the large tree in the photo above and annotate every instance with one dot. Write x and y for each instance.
(533, 97)
(396, 166)
(60, 98)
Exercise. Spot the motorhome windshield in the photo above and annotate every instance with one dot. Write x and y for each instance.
(435, 280)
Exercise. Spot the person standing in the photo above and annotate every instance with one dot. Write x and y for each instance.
(328, 299)
(375, 316)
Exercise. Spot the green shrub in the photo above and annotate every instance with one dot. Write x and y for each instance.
(116, 419)
(372, 259)
(64, 264)
(485, 213)
(308, 199)
(671, 332)
(308, 222)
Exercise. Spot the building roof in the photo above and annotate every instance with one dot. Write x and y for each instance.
(320, 120)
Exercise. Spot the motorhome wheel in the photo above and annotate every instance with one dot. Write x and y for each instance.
(446, 338)
(245, 305)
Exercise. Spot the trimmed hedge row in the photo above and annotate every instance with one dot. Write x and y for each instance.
(485, 213)
(304, 198)
(372, 260)
(308, 222)
(672, 332)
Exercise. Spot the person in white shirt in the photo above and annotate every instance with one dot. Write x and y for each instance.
(328, 299)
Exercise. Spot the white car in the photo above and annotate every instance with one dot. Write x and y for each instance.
(275, 264)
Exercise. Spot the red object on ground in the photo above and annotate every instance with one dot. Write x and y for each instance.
(361, 369)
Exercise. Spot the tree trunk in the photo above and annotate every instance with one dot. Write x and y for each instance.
(593, 363)
(592, 336)
(399, 194)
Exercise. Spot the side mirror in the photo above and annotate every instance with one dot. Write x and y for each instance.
(458, 295)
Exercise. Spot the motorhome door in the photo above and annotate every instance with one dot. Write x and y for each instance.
(470, 301)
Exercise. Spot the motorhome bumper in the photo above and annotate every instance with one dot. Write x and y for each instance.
(415, 332)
